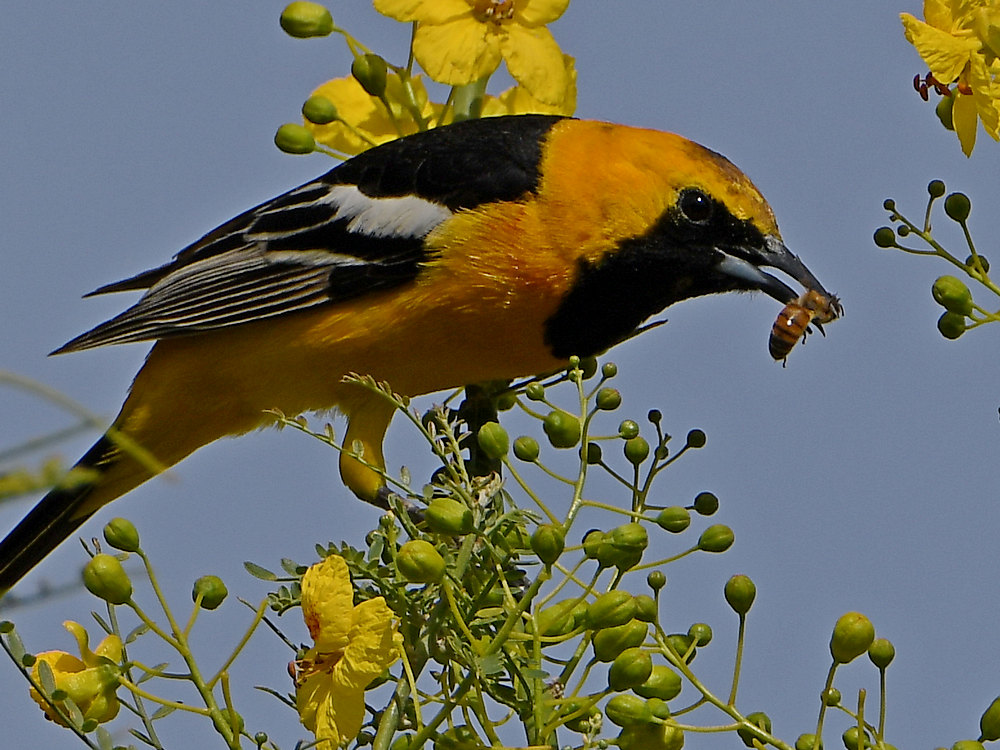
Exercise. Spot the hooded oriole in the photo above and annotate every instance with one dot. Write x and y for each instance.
(483, 250)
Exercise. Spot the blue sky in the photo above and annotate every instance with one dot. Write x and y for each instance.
(860, 477)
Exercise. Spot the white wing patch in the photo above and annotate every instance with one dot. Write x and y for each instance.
(408, 216)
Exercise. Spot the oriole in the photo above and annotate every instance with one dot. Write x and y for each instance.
(483, 250)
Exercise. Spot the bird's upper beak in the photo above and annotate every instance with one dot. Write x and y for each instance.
(747, 267)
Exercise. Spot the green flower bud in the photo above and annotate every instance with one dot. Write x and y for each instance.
(418, 562)
(989, 723)
(645, 608)
(506, 400)
(121, 534)
(627, 710)
(534, 391)
(701, 634)
(971, 260)
(853, 742)
(526, 448)
(881, 652)
(371, 72)
(951, 325)
(830, 697)
(740, 592)
(233, 719)
(968, 745)
(884, 237)
(902, 230)
(588, 366)
(656, 580)
(608, 399)
(610, 642)
(650, 737)
(562, 429)
(889, 204)
(852, 635)
(696, 439)
(212, 591)
(609, 369)
(682, 644)
(592, 542)
(627, 542)
(446, 515)
(557, 620)
(631, 668)
(808, 742)
(628, 429)
(705, 504)
(758, 720)
(460, 737)
(294, 139)
(303, 20)
(716, 538)
(674, 519)
(944, 109)
(106, 579)
(958, 207)
(953, 295)
(319, 110)
(260, 738)
(548, 542)
(587, 720)
(610, 610)
(663, 683)
(636, 450)
(493, 440)
(935, 188)
(593, 454)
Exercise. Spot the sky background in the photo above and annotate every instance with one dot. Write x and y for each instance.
(860, 477)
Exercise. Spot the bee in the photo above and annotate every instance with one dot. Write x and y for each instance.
(793, 321)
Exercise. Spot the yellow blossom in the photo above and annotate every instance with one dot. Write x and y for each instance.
(958, 42)
(364, 120)
(517, 100)
(461, 41)
(90, 681)
(352, 646)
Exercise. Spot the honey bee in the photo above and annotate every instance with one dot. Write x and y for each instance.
(793, 321)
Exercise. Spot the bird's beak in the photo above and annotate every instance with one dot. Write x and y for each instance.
(747, 267)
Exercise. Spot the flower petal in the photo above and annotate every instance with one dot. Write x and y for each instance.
(457, 52)
(944, 54)
(327, 601)
(966, 121)
(425, 11)
(535, 61)
(540, 12)
(986, 92)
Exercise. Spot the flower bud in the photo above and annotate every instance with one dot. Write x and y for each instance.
(608, 399)
(674, 519)
(951, 325)
(593, 453)
(716, 538)
(610, 610)
(808, 742)
(628, 542)
(645, 608)
(740, 592)
(319, 110)
(757, 720)
(968, 745)
(562, 429)
(534, 391)
(588, 366)
(627, 710)
(233, 720)
(610, 642)
(696, 439)
(852, 635)
(586, 722)
(631, 668)
(609, 369)
(559, 619)
(212, 591)
(371, 72)
(953, 295)
(446, 515)
(935, 188)
(526, 448)
(650, 737)
(884, 237)
(853, 742)
(106, 579)
(628, 429)
(293, 138)
(592, 542)
(682, 643)
(548, 542)
(418, 562)
(830, 697)
(944, 111)
(705, 504)
(989, 722)
(970, 261)
(493, 440)
(636, 450)
(304, 19)
(700, 633)
(958, 207)
(881, 652)
(121, 534)
(656, 580)
(663, 683)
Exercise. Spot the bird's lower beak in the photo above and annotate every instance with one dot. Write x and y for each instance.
(747, 267)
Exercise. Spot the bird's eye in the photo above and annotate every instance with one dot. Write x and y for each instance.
(695, 205)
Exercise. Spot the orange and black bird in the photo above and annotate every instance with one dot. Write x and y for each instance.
(488, 249)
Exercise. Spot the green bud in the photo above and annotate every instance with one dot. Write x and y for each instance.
(663, 683)
(293, 138)
(446, 515)
(645, 608)
(526, 448)
(106, 579)
(121, 534)
(548, 542)
(636, 450)
(935, 188)
(958, 207)
(885, 237)
(902, 230)
(627, 710)
(562, 429)
(696, 439)
(588, 366)
(460, 737)
(674, 519)
(610, 642)
(951, 325)
(608, 399)
(749, 732)
(609, 369)
(610, 610)
(968, 745)
(493, 440)
(881, 652)
(212, 591)
(740, 592)
(586, 722)
(944, 109)
(418, 562)
(716, 538)
(593, 454)
(371, 72)
(557, 620)
(506, 400)
(534, 391)
(852, 635)
(952, 294)
(989, 723)
(233, 719)
(656, 580)
(889, 204)
(303, 20)
(628, 429)
(971, 260)
(592, 542)
(701, 634)
(830, 697)
(260, 738)
(705, 504)
(319, 110)
(808, 742)
(630, 669)
(682, 643)
(628, 542)
(852, 741)
(650, 737)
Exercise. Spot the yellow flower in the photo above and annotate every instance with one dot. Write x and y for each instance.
(367, 119)
(353, 646)
(461, 41)
(90, 681)
(517, 100)
(958, 42)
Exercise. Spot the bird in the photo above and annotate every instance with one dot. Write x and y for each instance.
(482, 250)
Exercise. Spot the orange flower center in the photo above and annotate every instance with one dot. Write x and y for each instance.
(495, 11)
